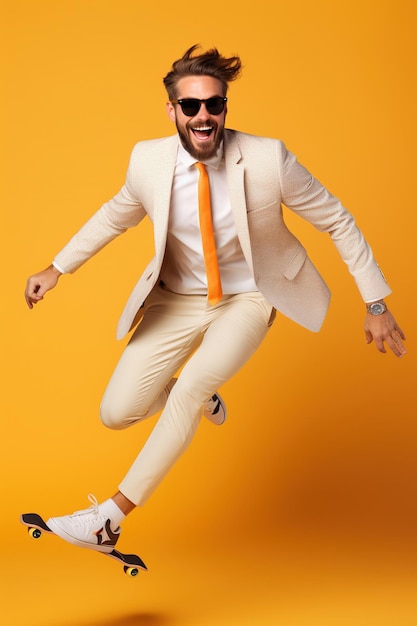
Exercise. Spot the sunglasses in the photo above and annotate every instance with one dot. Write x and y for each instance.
(191, 106)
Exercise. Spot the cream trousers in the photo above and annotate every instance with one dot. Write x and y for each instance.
(212, 341)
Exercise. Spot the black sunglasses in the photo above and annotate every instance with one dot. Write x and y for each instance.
(191, 106)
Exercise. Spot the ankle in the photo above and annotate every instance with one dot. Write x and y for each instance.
(124, 504)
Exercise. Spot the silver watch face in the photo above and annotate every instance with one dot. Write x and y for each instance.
(377, 308)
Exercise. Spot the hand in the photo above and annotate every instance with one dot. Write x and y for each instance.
(39, 284)
(384, 328)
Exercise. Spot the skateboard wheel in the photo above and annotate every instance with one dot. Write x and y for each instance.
(131, 571)
(35, 533)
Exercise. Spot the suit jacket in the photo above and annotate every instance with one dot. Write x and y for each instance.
(262, 176)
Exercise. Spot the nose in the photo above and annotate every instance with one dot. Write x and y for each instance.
(202, 112)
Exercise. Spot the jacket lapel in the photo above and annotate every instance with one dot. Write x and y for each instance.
(163, 173)
(236, 183)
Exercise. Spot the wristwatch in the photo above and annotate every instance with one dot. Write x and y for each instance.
(376, 308)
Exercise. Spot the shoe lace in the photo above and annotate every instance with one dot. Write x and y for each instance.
(91, 509)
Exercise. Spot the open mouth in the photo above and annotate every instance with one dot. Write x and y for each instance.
(202, 133)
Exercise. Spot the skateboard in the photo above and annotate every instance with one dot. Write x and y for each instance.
(36, 526)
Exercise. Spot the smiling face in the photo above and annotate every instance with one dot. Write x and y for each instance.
(202, 134)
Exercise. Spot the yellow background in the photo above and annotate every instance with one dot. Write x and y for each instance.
(301, 510)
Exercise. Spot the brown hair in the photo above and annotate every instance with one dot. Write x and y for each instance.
(210, 63)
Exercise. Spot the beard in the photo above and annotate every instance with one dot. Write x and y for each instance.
(207, 149)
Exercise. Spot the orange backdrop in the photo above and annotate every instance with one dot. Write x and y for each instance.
(321, 436)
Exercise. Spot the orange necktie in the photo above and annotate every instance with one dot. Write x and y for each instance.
(214, 284)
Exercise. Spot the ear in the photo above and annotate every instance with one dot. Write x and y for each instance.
(170, 109)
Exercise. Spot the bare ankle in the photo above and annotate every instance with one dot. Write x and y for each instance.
(124, 504)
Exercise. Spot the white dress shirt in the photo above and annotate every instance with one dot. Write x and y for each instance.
(184, 271)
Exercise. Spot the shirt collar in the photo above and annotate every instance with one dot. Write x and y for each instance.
(185, 157)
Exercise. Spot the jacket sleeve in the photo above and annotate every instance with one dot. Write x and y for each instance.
(123, 211)
(305, 195)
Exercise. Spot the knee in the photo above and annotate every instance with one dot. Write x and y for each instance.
(111, 419)
(113, 415)
(117, 417)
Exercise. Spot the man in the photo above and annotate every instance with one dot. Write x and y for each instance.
(206, 305)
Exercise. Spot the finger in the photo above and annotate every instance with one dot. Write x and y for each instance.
(32, 301)
(394, 341)
(28, 299)
(397, 336)
(394, 347)
(368, 336)
(35, 291)
(31, 289)
(401, 333)
(380, 345)
(32, 298)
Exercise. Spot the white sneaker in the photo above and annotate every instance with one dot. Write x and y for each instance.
(215, 410)
(87, 529)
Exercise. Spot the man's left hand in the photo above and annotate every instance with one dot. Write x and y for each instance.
(383, 328)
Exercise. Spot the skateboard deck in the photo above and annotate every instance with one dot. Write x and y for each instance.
(36, 526)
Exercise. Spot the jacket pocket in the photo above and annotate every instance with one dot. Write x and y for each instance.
(296, 263)
(265, 205)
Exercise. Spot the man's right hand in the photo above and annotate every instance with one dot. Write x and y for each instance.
(39, 284)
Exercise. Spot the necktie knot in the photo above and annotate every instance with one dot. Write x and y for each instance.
(201, 167)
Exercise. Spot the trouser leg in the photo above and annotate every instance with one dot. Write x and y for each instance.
(143, 378)
(231, 331)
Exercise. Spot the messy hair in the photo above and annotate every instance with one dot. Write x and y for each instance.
(210, 63)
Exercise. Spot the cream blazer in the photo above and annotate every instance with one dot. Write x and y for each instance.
(262, 176)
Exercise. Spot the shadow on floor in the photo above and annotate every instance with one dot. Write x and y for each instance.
(141, 619)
